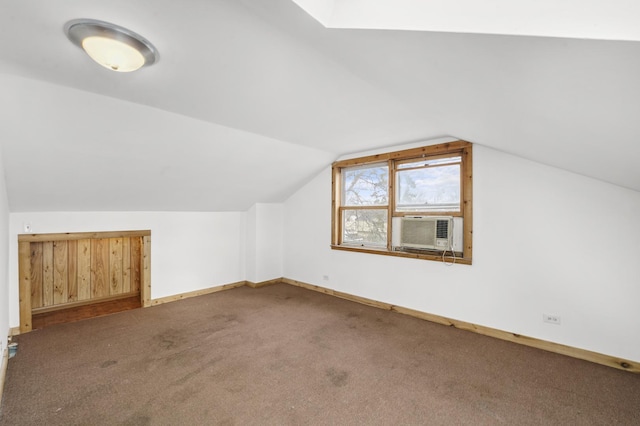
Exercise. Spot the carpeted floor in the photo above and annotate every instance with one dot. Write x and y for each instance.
(286, 355)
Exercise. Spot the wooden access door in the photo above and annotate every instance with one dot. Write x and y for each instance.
(60, 271)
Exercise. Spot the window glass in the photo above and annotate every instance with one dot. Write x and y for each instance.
(428, 186)
(426, 162)
(365, 185)
(366, 227)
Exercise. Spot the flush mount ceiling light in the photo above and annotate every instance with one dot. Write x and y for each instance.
(110, 45)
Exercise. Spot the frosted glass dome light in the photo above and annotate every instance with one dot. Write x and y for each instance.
(111, 46)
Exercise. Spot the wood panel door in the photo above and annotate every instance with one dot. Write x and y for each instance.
(59, 271)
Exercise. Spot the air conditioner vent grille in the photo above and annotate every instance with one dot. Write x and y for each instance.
(416, 232)
(432, 233)
(442, 229)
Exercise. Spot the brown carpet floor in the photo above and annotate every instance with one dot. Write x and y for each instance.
(283, 355)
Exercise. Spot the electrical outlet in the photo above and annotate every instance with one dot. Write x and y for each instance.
(551, 319)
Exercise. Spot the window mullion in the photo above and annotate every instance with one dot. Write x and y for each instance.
(392, 202)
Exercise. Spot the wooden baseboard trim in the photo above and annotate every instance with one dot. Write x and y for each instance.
(202, 292)
(3, 370)
(595, 357)
(209, 290)
(263, 283)
(598, 358)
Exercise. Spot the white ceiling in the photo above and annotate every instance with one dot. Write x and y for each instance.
(251, 98)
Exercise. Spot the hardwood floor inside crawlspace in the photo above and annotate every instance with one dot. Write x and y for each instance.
(78, 313)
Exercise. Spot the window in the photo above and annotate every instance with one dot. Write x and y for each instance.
(428, 185)
(420, 189)
(365, 191)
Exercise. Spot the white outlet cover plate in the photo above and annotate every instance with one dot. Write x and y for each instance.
(551, 319)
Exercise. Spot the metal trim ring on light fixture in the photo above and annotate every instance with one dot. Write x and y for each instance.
(79, 29)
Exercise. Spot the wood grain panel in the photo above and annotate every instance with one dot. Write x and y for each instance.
(60, 272)
(72, 268)
(36, 274)
(84, 269)
(47, 273)
(115, 266)
(126, 265)
(136, 263)
(99, 267)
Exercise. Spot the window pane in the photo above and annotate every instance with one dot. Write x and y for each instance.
(364, 227)
(429, 162)
(365, 185)
(429, 189)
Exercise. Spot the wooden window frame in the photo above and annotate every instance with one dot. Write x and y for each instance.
(462, 148)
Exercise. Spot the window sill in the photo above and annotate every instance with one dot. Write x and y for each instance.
(412, 255)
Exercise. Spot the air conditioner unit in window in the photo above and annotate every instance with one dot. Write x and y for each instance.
(426, 232)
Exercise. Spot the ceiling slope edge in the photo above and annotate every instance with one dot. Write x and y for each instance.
(586, 19)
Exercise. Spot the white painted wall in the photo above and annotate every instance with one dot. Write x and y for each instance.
(189, 251)
(251, 244)
(264, 242)
(545, 241)
(4, 257)
(269, 242)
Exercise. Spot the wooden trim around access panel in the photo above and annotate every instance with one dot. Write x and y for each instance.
(595, 357)
(24, 268)
(69, 236)
(145, 272)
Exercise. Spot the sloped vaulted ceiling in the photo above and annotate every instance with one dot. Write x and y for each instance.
(588, 19)
(251, 98)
